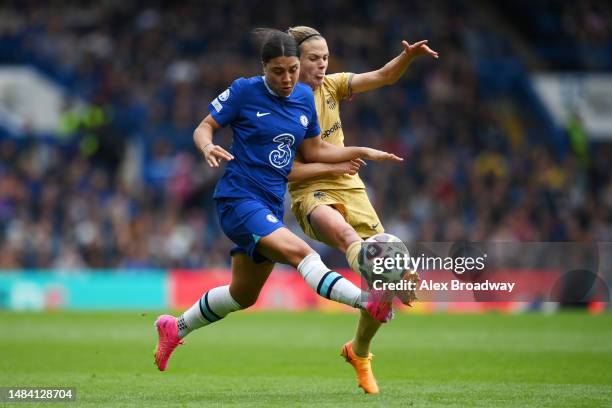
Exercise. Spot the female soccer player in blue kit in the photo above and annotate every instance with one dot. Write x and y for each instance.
(272, 116)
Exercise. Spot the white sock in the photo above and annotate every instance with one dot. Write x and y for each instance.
(327, 283)
(213, 306)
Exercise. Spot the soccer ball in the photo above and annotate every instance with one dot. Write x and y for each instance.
(373, 253)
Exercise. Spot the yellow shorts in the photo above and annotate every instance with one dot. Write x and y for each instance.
(353, 204)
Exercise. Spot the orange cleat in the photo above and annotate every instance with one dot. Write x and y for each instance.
(363, 368)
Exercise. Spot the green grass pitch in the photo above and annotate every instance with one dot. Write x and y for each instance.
(292, 359)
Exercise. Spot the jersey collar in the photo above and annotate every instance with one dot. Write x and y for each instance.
(263, 77)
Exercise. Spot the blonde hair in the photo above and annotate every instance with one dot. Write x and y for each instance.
(303, 33)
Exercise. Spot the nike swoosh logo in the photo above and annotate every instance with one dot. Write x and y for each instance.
(374, 226)
(259, 115)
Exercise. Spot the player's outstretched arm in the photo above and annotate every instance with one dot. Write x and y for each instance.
(317, 150)
(203, 138)
(303, 171)
(393, 70)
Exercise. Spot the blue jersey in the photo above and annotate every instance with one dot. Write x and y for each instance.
(267, 131)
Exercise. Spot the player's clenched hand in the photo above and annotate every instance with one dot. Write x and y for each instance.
(373, 154)
(348, 167)
(214, 154)
(418, 49)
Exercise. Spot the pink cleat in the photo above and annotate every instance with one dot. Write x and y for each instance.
(167, 329)
(380, 305)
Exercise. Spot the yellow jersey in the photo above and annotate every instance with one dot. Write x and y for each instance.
(334, 89)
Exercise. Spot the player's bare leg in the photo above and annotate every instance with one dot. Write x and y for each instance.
(331, 227)
(248, 278)
(367, 328)
(284, 246)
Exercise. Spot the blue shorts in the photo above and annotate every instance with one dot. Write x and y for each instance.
(246, 220)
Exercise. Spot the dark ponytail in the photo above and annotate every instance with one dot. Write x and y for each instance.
(275, 43)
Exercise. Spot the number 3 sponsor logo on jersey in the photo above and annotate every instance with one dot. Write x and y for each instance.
(281, 156)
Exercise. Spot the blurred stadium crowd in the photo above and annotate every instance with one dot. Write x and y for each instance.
(121, 185)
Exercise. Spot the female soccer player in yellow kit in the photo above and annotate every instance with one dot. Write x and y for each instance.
(329, 201)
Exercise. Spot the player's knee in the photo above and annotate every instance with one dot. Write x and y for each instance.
(294, 252)
(302, 252)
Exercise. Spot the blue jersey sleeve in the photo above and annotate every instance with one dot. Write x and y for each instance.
(225, 108)
(313, 126)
